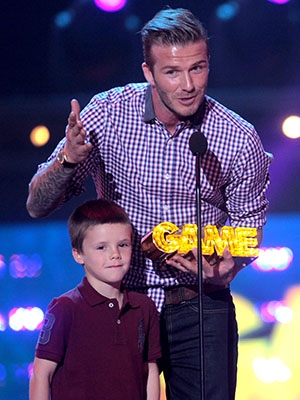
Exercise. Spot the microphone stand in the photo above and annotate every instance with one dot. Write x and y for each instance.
(198, 146)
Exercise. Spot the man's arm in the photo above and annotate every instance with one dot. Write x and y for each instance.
(40, 381)
(153, 383)
(48, 187)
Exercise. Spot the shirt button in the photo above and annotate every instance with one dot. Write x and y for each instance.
(118, 322)
(166, 208)
(110, 305)
(167, 176)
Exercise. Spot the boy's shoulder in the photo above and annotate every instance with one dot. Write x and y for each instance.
(139, 299)
(67, 299)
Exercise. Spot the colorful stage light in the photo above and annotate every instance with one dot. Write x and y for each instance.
(110, 5)
(25, 266)
(273, 259)
(29, 318)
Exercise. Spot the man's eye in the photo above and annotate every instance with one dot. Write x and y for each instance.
(199, 68)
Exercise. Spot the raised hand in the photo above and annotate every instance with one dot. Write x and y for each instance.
(76, 147)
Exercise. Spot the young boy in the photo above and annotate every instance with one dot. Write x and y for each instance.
(98, 341)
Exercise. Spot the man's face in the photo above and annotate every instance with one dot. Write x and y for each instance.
(178, 78)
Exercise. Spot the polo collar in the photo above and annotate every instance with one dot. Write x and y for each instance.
(93, 297)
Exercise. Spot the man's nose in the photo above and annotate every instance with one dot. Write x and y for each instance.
(187, 82)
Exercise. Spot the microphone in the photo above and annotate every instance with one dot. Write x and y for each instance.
(198, 143)
(198, 146)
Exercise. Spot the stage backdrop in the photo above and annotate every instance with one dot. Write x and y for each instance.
(36, 265)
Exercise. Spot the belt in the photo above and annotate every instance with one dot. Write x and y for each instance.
(180, 294)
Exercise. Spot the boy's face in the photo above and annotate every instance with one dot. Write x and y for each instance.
(106, 253)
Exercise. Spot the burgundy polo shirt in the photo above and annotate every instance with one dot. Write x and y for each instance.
(101, 351)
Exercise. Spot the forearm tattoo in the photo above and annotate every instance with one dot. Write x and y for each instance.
(47, 189)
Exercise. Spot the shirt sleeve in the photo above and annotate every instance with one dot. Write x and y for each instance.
(53, 336)
(153, 348)
(246, 193)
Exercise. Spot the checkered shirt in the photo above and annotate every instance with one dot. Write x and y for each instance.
(136, 162)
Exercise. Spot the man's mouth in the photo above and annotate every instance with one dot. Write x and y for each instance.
(187, 100)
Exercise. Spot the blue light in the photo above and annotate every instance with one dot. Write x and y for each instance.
(63, 19)
(2, 373)
(228, 10)
(132, 22)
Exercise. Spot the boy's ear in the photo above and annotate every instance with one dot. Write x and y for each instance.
(77, 256)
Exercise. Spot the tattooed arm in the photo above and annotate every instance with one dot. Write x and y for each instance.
(48, 187)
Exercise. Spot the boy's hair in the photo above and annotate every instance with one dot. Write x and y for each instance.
(91, 213)
(171, 27)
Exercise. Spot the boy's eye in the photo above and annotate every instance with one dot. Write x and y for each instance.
(124, 244)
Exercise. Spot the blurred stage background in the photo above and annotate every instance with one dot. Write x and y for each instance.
(53, 51)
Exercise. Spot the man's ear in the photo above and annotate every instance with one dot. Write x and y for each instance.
(147, 73)
(77, 256)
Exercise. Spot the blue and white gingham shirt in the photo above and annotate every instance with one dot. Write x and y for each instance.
(136, 162)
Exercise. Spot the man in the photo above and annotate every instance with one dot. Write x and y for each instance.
(134, 141)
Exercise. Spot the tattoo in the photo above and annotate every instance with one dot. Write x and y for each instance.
(47, 189)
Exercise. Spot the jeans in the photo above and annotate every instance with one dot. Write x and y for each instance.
(180, 346)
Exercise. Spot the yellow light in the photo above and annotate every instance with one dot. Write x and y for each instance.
(241, 241)
(291, 127)
(39, 136)
(161, 239)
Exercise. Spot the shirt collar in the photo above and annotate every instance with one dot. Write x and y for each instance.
(93, 297)
(149, 116)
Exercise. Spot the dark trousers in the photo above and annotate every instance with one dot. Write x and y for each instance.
(180, 345)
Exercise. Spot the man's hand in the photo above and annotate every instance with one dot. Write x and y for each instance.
(221, 271)
(76, 148)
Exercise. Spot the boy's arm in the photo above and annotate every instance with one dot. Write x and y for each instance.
(41, 379)
(153, 383)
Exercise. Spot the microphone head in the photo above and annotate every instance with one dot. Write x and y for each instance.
(198, 143)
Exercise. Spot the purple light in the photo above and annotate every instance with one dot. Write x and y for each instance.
(110, 5)
(279, 1)
(24, 266)
(2, 266)
(275, 311)
(30, 370)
